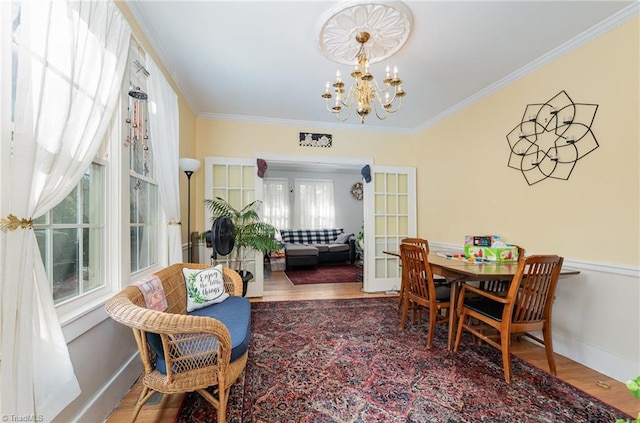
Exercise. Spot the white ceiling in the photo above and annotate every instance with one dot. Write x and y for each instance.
(261, 61)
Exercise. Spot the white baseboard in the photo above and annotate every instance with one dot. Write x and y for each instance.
(114, 390)
(595, 358)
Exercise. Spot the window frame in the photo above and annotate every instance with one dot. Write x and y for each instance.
(284, 183)
(84, 315)
(298, 206)
(79, 314)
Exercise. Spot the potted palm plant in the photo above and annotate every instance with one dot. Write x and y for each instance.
(249, 231)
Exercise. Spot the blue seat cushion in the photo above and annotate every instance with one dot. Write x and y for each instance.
(234, 313)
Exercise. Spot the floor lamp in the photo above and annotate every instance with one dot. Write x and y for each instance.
(189, 166)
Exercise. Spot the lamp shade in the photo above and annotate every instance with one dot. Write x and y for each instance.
(189, 165)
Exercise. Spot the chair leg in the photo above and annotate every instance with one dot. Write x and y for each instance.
(432, 326)
(548, 346)
(222, 405)
(142, 399)
(219, 403)
(401, 294)
(405, 312)
(505, 339)
(461, 319)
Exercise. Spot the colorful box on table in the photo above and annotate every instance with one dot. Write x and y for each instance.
(477, 247)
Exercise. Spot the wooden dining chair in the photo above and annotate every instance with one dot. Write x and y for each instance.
(526, 307)
(420, 289)
(499, 286)
(424, 244)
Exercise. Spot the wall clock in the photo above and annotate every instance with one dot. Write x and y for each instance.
(357, 191)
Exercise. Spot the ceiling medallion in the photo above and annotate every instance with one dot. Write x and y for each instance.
(360, 34)
(388, 24)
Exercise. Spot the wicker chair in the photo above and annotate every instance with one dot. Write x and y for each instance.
(526, 307)
(196, 349)
(420, 289)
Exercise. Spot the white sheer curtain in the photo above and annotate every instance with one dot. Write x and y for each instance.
(315, 204)
(275, 198)
(164, 121)
(71, 60)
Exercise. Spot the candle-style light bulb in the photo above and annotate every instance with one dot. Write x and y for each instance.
(338, 79)
(395, 71)
(326, 87)
(388, 71)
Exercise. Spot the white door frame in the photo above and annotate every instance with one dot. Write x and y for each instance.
(351, 163)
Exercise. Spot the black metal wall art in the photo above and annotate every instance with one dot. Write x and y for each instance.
(551, 138)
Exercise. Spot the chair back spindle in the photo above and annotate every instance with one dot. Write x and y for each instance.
(419, 287)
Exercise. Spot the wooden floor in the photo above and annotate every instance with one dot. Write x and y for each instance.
(278, 288)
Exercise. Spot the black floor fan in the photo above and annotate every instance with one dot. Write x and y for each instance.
(222, 242)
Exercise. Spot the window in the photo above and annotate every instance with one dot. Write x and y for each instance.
(276, 202)
(143, 187)
(314, 203)
(83, 241)
(144, 223)
(71, 238)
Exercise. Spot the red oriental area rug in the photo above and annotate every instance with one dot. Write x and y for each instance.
(348, 361)
(324, 273)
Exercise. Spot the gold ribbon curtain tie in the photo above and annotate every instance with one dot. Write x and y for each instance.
(11, 223)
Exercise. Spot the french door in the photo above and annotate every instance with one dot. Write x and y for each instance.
(389, 216)
(234, 179)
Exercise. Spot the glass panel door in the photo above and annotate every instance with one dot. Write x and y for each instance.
(234, 180)
(390, 215)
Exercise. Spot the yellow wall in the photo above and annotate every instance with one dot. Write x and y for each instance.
(243, 140)
(465, 186)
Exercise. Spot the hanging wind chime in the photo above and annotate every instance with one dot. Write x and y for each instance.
(138, 137)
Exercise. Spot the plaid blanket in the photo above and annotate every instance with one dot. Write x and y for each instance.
(310, 236)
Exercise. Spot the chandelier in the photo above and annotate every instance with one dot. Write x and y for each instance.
(365, 93)
(360, 34)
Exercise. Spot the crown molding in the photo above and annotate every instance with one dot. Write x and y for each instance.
(140, 17)
(599, 29)
(304, 123)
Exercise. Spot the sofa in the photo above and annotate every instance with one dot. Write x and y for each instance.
(182, 350)
(310, 247)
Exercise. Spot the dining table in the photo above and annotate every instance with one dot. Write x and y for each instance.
(456, 270)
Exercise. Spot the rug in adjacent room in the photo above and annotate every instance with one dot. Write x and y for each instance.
(348, 361)
(324, 273)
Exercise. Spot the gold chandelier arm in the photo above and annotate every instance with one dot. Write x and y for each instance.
(342, 114)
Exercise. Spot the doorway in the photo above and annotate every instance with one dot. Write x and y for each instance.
(343, 172)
